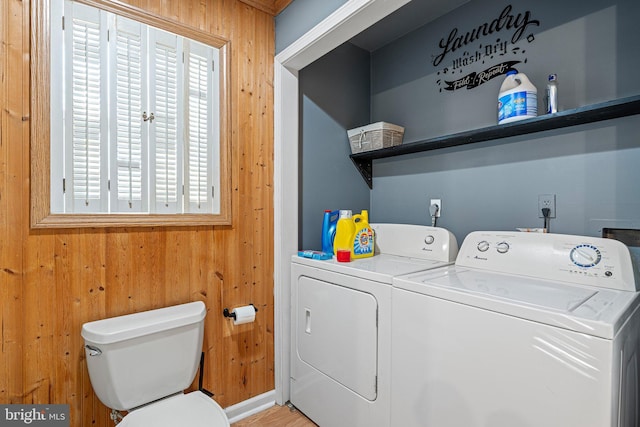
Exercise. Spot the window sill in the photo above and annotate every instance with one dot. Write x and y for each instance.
(128, 220)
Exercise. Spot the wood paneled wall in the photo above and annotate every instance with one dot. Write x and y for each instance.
(53, 281)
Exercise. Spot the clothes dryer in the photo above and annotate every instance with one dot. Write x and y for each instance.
(524, 330)
(341, 325)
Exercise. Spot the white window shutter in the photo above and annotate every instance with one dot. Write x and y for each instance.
(214, 124)
(199, 128)
(166, 99)
(86, 115)
(129, 131)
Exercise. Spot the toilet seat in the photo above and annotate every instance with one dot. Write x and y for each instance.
(193, 409)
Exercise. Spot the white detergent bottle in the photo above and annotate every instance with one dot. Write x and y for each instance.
(518, 98)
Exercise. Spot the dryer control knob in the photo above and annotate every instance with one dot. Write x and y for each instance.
(483, 246)
(502, 247)
(429, 239)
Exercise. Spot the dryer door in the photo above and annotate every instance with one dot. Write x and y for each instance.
(336, 331)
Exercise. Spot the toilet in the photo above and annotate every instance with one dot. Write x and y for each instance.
(142, 363)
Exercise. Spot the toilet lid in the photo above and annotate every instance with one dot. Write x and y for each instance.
(194, 409)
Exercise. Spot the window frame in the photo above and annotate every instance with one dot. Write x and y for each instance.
(40, 196)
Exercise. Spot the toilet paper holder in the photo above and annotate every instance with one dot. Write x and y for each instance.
(228, 313)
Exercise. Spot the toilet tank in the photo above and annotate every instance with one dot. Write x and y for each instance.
(141, 357)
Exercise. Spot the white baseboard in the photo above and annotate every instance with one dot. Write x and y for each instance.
(251, 406)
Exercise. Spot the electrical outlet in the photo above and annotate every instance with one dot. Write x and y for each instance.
(547, 201)
(439, 203)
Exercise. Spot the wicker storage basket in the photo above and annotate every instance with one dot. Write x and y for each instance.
(375, 136)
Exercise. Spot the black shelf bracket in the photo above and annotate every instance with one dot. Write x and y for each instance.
(365, 167)
(578, 116)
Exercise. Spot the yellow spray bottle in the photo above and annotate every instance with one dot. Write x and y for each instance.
(363, 239)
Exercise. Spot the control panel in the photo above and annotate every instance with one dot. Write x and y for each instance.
(415, 241)
(577, 259)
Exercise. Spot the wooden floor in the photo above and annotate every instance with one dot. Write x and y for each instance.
(277, 416)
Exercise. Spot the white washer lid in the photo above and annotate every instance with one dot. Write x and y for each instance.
(594, 311)
(194, 409)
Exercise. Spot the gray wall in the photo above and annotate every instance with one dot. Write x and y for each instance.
(593, 169)
(299, 17)
(591, 44)
(328, 179)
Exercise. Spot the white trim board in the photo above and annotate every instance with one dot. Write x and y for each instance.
(347, 21)
(248, 407)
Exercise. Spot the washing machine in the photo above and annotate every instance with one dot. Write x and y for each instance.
(525, 330)
(341, 325)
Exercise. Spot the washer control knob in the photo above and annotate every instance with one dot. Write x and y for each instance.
(502, 247)
(429, 239)
(483, 246)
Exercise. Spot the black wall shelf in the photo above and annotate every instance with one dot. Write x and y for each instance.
(592, 113)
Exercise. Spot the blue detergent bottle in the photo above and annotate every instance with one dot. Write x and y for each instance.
(329, 222)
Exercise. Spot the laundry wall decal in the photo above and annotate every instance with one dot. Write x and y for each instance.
(474, 79)
(471, 48)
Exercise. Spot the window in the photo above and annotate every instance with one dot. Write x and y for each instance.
(137, 121)
(139, 115)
